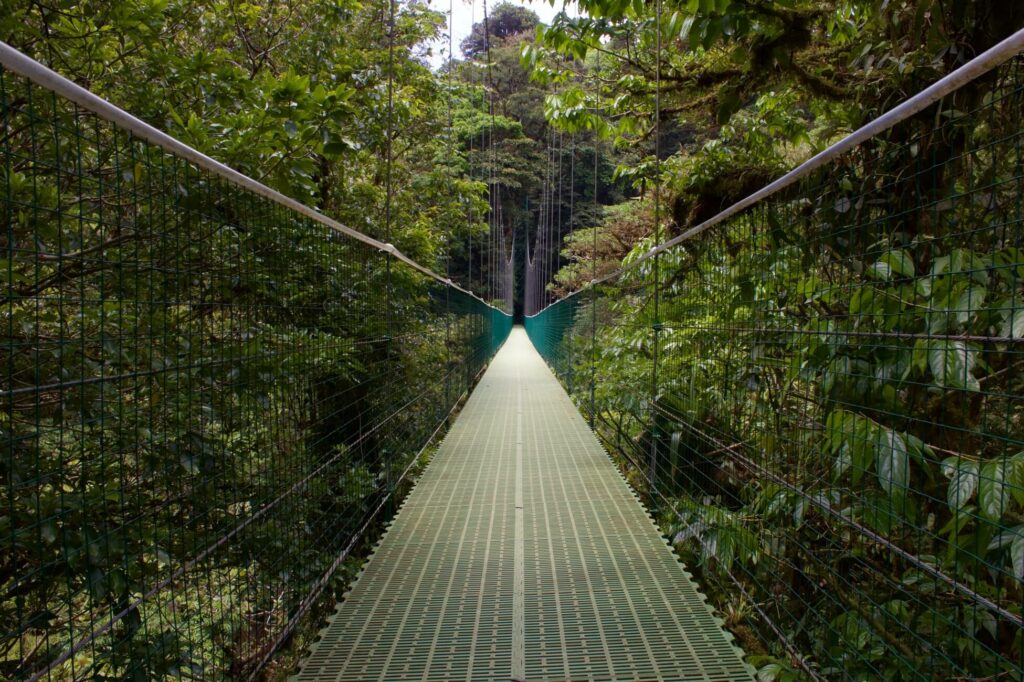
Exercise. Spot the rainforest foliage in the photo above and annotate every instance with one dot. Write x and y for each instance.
(821, 395)
(210, 399)
(618, 125)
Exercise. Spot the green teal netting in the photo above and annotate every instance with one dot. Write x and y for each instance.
(208, 401)
(828, 409)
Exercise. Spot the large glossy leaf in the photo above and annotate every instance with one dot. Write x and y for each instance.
(842, 463)
(963, 481)
(1013, 323)
(1017, 554)
(851, 438)
(1015, 477)
(970, 301)
(993, 496)
(892, 264)
(962, 262)
(954, 301)
(892, 461)
(952, 364)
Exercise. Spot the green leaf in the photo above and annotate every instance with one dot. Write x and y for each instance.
(1013, 323)
(880, 271)
(850, 436)
(954, 301)
(687, 25)
(951, 363)
(670, 28)
(1011, 261)
(971, 300)
(919, 450)
(993, 496)
(898, 263)
(842, 462)
(963, 481)
(962, 262)
(1017, 554)
(1016, 477)
(338, 145)
(892, 461)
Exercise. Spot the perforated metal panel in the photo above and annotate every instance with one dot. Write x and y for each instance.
(522, 554)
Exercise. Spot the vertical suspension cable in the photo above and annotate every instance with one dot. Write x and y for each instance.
(593, 256)
(545, 218)
(448, 240)
(572, 190)
(492, 186)
(495, 197)
(472, 138)
(388, 197)
(486, 177)
(389, 150)
(556, 240)
(548, 227)
(572, 206)
(548, 178)
(538, 240)
(556, 210)
(655, 322)
(549, 219)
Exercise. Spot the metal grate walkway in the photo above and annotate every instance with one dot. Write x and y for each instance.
(522, 554)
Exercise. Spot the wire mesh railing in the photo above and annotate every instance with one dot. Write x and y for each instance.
(836, 443)
(209, 396)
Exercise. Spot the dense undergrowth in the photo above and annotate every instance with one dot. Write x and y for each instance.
(820, 397)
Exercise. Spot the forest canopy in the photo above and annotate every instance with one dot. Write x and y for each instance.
(571, 147)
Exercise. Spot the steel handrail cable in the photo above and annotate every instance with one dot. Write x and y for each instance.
(23, 65)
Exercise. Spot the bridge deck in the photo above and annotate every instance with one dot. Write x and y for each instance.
(521, 554)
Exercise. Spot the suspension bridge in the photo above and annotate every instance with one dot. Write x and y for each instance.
(217, 398)
(523, 554)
